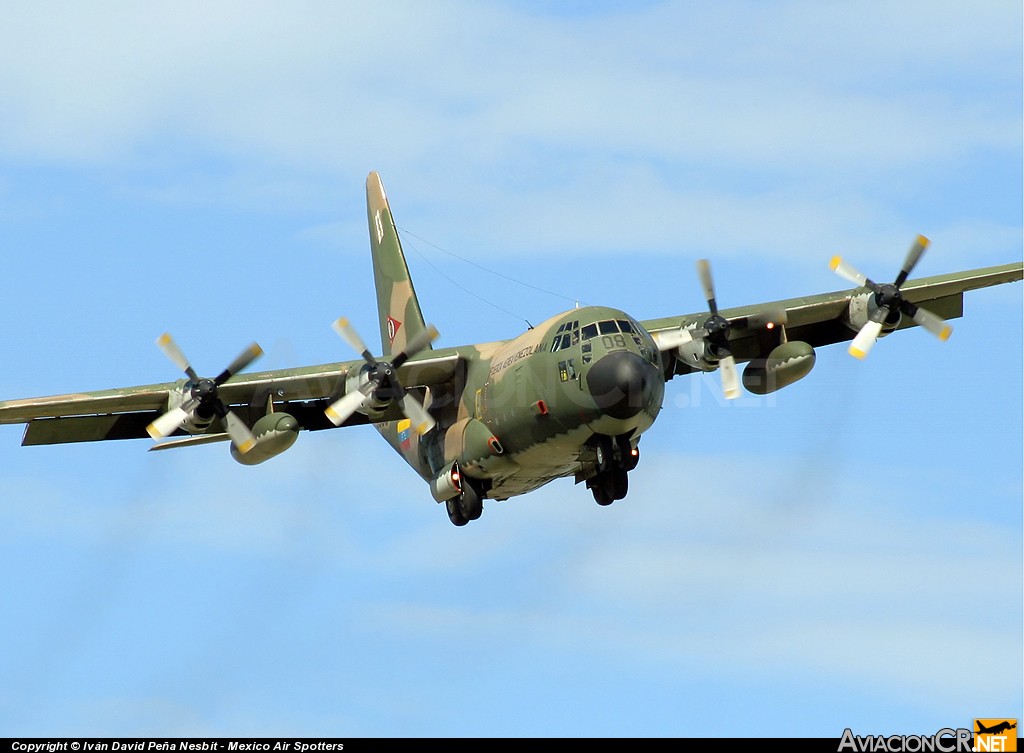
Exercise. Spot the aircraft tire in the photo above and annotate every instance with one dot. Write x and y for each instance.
(603, 453)
(601, 495)
(618, 483)
(455, 512)
(470, 502)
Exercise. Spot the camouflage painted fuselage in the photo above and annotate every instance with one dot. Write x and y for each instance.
(525, 410)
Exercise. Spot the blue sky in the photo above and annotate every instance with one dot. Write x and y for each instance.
(845, 553)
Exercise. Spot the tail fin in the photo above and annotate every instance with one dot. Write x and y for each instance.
(397, 306)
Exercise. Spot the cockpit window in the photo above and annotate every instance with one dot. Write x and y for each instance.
(625, 326)
(566, 336)
(590, 332)
(608, 328)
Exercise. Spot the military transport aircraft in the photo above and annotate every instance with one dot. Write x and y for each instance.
(570, 397)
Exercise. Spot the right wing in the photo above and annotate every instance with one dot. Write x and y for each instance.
(125, 413)
(819, 319)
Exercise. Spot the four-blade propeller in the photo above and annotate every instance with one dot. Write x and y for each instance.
(889, 300)
(382, 380)
(716, 334)
(203, 400)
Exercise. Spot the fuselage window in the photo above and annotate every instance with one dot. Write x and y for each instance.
(566, 370)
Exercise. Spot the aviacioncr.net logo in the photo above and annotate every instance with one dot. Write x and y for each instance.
(995, 735)
(946, 740)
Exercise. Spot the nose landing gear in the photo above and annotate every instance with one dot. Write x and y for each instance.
(616, 457)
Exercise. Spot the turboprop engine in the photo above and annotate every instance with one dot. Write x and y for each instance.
(707, 347)
(199, 400)
(273, 434)
(875, 313)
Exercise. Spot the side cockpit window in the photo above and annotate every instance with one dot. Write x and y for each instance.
(567, 335)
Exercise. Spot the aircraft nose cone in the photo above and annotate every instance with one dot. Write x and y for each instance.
(621, 383)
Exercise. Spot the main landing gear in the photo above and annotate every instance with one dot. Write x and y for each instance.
(467, 505)
(616, 457)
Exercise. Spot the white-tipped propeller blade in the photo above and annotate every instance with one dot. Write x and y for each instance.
(240, 434)
(348, 333)
(730, 381)
(241, 361)
(422, 422)
(708, 285)
(170, 348)
(847, 271)
(913, 256)
(340, 410)
(933, 323)
(419, 341)
(865, 339)
(168, 423)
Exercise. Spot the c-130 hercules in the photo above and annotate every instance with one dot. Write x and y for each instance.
(570, 397)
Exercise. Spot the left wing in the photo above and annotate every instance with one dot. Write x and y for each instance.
(826, 319)
(125, 413)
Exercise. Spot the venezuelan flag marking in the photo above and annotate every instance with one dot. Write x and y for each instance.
(405, 433)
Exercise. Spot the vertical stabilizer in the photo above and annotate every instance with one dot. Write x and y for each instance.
(397, 306)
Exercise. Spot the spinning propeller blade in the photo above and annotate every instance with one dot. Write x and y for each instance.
(716, 334)
(382, 379)
(889, 300)
(203, 398)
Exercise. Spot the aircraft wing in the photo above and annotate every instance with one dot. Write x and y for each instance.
(819, 319)
(125, 413)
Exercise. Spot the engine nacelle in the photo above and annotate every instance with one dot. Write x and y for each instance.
(860, 310)
(447, 484)
(786, 364)
(696, 355)
(274, 434)
(196, 424)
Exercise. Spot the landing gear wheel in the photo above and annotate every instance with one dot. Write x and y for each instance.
(630, 456)
(470, 502)
(454, 512)
(603, 453)
(610, 485)
(601, 495)
(618, 482)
